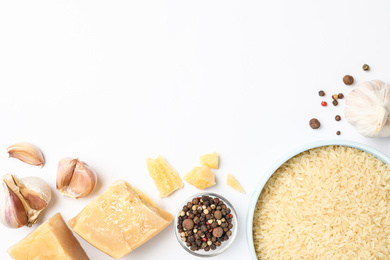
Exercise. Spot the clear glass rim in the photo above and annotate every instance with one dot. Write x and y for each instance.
(220, 249)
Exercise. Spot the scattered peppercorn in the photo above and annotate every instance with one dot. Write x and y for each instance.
(314, 123)
(338, 133)
(324, 104)
(335, 96)
(341, 95)
(338, 118)
(348, 80)
(204, 223)
(335, 102)
(366, 67)
(321, 93)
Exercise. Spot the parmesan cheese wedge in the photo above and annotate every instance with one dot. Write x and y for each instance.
(120, 220)
(52, 240)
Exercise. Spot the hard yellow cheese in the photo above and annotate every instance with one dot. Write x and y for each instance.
(52, 240)
(165, 178)
(200, 177)
(210, 160)
(120, 220)
(233, 183)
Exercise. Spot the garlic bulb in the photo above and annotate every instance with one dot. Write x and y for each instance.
(368, 107)
(75, 178)
(23, 200)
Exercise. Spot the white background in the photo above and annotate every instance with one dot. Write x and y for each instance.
(115, 82)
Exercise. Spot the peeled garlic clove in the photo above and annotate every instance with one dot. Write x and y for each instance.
(23, 200)
(75, 178)
(27, 153)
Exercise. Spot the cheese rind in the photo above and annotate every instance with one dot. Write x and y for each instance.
(164, 176)
(210, 160)
(52, 240)
(233, 183)
(120, 220)
(200, 177)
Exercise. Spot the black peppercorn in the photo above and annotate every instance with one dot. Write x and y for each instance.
(366, 67)
(218, 214)
(314, 123)
(341, 95)
(337, 118)
(335, 102)
(196, 220)
(321, 93)
(338, 133)
(188, 224)
(218, 232)
(348, 80)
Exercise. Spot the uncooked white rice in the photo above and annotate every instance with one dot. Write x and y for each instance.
(326, 203)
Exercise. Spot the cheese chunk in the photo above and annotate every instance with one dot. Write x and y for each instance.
(165, 178)
(233, 183)
(200, 177)
(120, 220)
(50, 241)
(210, 160)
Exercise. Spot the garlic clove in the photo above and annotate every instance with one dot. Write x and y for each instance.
(12, 213)
(65, 171)
(75, 178)
(27, 153)
(27, 198)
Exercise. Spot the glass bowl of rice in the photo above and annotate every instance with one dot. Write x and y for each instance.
(325, 200)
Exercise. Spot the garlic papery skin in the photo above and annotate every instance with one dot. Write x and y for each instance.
(368, 108)
(23, 200)
(27, 153)
(75, 178)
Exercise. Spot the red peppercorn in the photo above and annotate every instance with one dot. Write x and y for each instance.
(324, 104)
(198, 198)
(211, 230)
(204, 239)
(207, 223)
(230, 216)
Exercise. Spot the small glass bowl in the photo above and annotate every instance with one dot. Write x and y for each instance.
(225, 244)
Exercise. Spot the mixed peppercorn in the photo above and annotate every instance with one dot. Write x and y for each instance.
(348, 80)
(205, 223)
